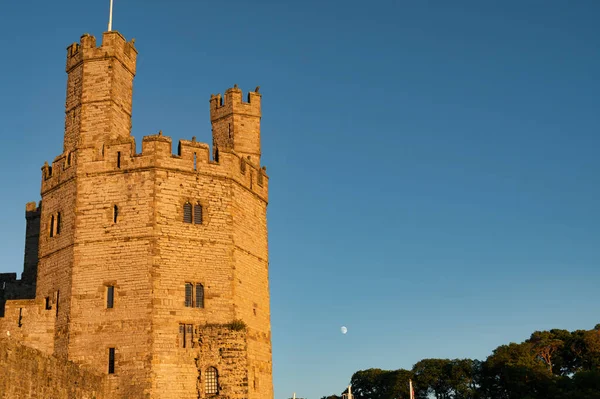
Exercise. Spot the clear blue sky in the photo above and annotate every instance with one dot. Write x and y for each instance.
(434, 165)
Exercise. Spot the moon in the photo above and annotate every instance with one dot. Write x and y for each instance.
(344, 330)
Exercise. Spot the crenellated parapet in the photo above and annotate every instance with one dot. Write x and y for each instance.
(157, 152)
(61, 170)
(233, 102)
(194, 157)
(113, 45)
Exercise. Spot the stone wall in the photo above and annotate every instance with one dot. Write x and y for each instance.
(28, 373)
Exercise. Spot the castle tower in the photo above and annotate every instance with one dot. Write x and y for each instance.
(236, 124)
(99, 90)
(153, 267)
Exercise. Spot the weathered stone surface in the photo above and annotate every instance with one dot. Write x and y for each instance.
(29, 373)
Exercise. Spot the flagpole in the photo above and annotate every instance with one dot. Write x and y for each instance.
(110, 16)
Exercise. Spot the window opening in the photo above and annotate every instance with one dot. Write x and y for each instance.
(187, 213)
(56, 302)
(111, 360)
(110, 296)
(48, 307)
(119, 159)
(188, 295)
(52, 226)
(189, 335)
(182, 335)
(58, 220)
(212, 381)
(197, 214)
(195, 160)
(115, 214)
(199, 296)
(20, 317)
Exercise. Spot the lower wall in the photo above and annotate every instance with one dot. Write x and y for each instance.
(27, 373)
(27, 321)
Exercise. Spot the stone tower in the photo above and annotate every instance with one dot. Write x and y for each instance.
(153, 267)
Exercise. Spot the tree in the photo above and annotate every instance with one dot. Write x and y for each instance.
(514, 371)
(547, 344)
(554, 364)
(432, 376)
(380, 384)
(462, 379)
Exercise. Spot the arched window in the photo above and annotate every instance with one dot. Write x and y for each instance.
(199, 296)
(211, 382)
(187, 213)
(197, 214)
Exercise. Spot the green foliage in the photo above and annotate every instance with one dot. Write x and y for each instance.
(380, 384)
(237, 325)
(554, 364)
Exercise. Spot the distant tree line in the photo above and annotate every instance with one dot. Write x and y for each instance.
(555, 364)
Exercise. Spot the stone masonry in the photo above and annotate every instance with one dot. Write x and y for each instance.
(152, 268)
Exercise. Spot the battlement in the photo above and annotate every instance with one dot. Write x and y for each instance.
(113, 45)
(233, 103)
(60, 171)
(157, 152)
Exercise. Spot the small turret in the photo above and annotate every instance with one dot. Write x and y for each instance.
(99, 90)
(236, 123)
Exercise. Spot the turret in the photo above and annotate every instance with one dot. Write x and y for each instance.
(236, 124)
(99, 91)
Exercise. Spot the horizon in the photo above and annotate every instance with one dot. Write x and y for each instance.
(431, 166)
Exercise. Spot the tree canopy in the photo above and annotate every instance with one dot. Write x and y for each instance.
(554, 364)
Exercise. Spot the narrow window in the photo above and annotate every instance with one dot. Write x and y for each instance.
(115, 213)
(58, 220)
(57, 298)
(197, 214)
(119, 159)
(48, 306)
(188, 295)
(52, 226)
(111, 360)
(195, 161)
(182, 335)
(189, 335)
(20, 317)
(229, 129)
(199, 296)
(187, 213)
(212, 381)
(110, 296)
